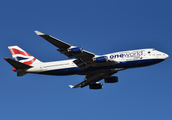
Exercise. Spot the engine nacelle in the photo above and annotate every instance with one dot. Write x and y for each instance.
(96, 86)
(100, 59)
(112, 79)
(75, 49)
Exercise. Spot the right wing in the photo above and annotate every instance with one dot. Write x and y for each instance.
(93, 78)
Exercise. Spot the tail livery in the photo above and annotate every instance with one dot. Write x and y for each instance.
(20, 55)
(22, 59)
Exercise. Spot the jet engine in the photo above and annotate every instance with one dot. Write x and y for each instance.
(96, 86)
(100, 59)
(75, 49)
(112, 79)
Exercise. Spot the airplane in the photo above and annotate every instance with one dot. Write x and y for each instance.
(94, 67)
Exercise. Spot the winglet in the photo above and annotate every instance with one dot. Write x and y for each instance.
(39, 33)
(71, 86)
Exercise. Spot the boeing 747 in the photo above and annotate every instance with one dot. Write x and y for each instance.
(94, 67)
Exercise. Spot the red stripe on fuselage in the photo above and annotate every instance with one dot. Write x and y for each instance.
(137, 57)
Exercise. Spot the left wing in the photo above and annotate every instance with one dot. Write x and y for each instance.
(84, 59)
(82, 56)
(65, 48)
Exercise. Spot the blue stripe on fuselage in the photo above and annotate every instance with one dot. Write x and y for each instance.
(66, 71)
(138, 63)
(125, 65)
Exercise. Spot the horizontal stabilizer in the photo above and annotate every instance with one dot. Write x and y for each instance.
(16, 64)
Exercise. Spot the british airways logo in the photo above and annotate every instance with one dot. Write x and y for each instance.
(127, 55)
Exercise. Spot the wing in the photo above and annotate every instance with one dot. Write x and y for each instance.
(92, 79)
(84, 59)
(64, 47)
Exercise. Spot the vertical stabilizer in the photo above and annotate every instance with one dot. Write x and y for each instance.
(22, 56)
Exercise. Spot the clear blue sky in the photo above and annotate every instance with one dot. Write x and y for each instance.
(100, 27)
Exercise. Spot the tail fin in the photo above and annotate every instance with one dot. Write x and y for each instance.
(22, 56)
(23, 60)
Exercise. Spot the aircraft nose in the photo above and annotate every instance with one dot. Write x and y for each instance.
(166, 56)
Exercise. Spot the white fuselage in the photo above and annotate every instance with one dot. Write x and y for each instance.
(125, 59)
